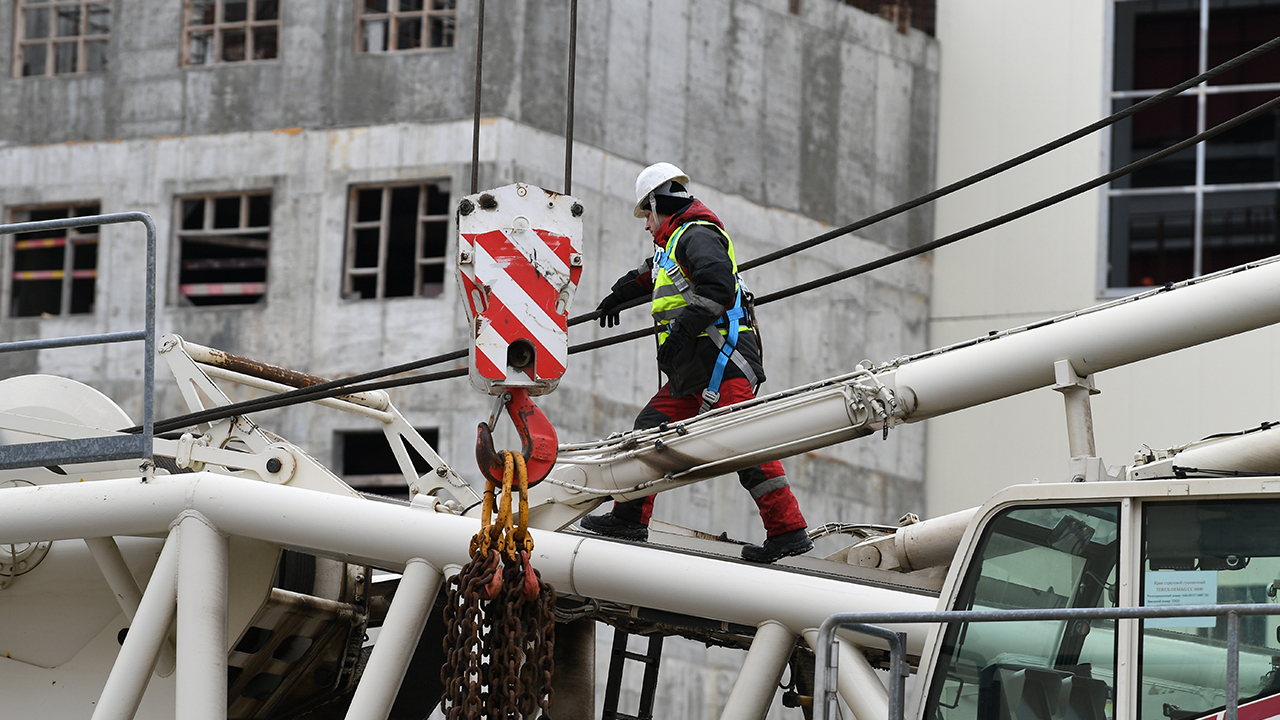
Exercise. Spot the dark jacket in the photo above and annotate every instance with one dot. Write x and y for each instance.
(703, 253)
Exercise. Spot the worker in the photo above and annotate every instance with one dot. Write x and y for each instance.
(707, 348)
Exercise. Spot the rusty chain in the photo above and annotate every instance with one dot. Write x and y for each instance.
(500, 615)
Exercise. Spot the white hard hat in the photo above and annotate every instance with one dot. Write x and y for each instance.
(653, 178)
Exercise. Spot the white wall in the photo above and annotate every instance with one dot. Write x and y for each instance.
(1016, 75)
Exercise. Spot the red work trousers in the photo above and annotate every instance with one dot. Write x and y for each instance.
(767, 483)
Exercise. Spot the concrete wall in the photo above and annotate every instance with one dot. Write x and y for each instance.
(829, 113)
(1017, 75)
(786, 124)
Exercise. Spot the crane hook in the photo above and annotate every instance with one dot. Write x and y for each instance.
(538, 441)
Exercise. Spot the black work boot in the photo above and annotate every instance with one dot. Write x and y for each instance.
(795, 542)
(612, 526)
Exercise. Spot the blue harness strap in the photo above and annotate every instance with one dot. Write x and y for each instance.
(712, 394)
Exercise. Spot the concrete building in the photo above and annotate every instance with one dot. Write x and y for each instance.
(302, 161)
(1016, 75)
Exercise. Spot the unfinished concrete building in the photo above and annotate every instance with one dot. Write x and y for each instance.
(302, 162)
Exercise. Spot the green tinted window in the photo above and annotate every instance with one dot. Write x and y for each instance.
(1040, 557)
(1207, 553)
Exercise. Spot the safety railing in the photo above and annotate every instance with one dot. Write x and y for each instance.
(110, 447)
(866, 623)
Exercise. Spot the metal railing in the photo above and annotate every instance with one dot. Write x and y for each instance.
(110, 447)
(825, 666)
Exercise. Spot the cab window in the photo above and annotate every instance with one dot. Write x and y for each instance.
(1034, 557)
(1207, 553)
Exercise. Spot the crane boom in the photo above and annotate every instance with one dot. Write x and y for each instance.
(909, 389)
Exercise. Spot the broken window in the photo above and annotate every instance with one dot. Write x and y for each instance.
(53, 272)
(222, 248)
(385, 25)
(396, 240)
(222, 31)
(63, 38)
(367, 463)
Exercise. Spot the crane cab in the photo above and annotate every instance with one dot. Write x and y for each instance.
(1114, 544)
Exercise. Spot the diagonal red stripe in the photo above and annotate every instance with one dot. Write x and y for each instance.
(516, 265)
(509, 328)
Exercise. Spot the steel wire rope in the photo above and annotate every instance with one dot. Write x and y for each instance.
(346, 387)
(334, 388)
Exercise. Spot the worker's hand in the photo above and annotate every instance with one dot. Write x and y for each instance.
(609, 310)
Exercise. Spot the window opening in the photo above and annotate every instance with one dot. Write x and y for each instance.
(223, 242)
(1209, 207)
(1207, 553)
(1034, 558)
(227, 31)
(68, 37)
(397, 236)
(395, 25)
(368, 464)
(53, 272)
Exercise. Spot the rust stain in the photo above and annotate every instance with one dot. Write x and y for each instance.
(288, 131)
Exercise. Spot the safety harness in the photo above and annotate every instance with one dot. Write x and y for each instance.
(723, 332)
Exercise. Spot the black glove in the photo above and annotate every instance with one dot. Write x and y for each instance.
(673, 345)
(608, 309)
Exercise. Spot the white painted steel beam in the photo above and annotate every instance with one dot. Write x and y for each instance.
(147, 635)
(388, 536)
(943, 381)
(125, 587)
(203, 571)
(397, 641)
(761, 672)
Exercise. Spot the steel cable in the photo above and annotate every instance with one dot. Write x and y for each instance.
(357, 383)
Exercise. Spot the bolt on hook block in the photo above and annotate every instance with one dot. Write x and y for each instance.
(519, 260)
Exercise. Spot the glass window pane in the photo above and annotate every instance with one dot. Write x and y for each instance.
(233, 45)
(259, 210)
(374, 35)
(64, 57)
(408, 33)
(1149, 132)
(37, 23)
(34, 59)
(226, 212)
(193, 214)
(1152, 240)
(1205, 553)
(1156, 43)
(402, 236)
(438, 198)
(266, 10)
(265, 46)
(69, 21)
(368, 204)
(99, 20)
(1246, 153)
(203, 12)
(366, 248)
(435, 238)
(1239, 228)
(235, 10)
(442, 30)
(95, 55)
(200, 50)
(1034, 557)
(82, 291)
(1236, 30)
